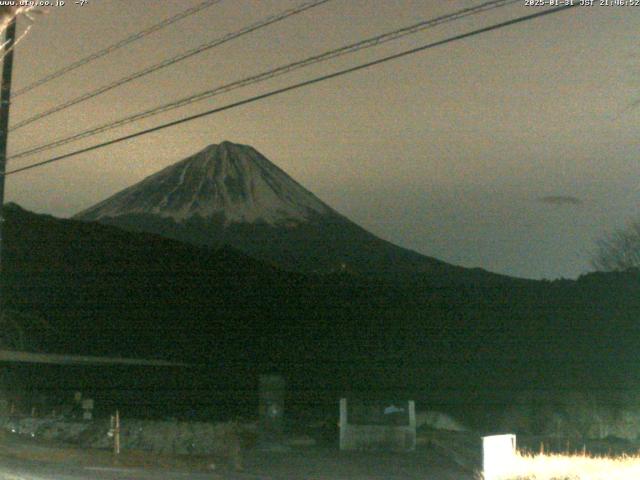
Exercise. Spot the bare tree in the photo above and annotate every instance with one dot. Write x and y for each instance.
(619, 250)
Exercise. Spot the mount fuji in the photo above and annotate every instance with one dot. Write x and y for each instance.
(230, 194)
(232, 183)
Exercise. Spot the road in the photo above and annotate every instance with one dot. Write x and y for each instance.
(27, 459)
(316, 465)
(18, 469)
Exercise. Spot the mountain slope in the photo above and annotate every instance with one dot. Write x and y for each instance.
(231, 194)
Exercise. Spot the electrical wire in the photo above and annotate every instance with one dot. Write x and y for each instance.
(116, 46)
(269, 74)
(296, 86)
(172, 61)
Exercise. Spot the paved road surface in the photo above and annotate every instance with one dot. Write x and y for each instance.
(315, 463)
(262, 466)
(14, 469)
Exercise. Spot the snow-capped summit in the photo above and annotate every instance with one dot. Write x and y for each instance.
(226, 181)
(229, 194)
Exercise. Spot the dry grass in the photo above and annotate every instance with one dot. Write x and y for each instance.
(574, 467)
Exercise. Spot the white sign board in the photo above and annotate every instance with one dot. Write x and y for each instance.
(499, 453)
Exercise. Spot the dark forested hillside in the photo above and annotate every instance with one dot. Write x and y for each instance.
(107, 291)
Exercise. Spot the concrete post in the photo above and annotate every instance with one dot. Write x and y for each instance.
(343, 422)
(412, 414)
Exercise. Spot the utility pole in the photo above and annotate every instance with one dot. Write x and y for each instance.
(5, 103)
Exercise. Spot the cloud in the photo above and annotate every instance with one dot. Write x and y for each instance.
(560, 200)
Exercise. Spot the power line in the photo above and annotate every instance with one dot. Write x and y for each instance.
(269, 74)
(173, 60)
(295, 86)
(112, 48)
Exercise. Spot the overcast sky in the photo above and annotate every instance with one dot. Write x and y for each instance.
(511, 151)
